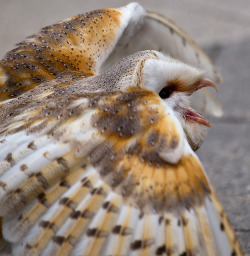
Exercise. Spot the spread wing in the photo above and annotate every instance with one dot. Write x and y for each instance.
(90, 43)
(103, 173)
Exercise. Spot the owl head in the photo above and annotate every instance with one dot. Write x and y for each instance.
(175, 82)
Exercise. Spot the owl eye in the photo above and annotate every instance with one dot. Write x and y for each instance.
(165, 92)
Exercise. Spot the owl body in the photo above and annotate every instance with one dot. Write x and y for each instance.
(99, 160)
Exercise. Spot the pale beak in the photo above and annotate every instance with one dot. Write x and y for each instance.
(204, 82)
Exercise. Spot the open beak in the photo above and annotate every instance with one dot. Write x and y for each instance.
(193, 116)
(189, 113)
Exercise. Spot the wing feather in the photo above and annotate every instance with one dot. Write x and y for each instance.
(86, 188)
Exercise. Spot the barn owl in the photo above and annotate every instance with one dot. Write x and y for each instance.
(98, 140)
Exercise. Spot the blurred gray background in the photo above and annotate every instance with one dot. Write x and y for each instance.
(222, 28)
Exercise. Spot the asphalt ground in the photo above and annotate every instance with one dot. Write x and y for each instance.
(222, 28)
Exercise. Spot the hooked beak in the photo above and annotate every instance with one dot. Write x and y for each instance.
(189, 113)
(203, 82)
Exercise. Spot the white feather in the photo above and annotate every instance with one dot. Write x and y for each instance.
(220, 238)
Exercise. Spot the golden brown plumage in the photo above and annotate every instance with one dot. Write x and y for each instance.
(76, 45)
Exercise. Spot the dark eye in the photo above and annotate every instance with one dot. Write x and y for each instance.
(165, 92)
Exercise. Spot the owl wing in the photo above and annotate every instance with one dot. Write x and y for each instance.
(103, 173)
(88, 44)
(78, 45)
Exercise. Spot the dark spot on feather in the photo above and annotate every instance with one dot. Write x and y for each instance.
(75, 214)
(32, 145)
(94, 191)
(117, 229)
(105, 170)
(160, 250)
(183, 254)
(20, 217)
(87, 183)
(136, 245)
(84, 179)
(95, 232)
(234, 253)
(23, 167)
(9, 159)
(64, 201)
(83, 165)
(171, 30)
(179, 222)
(106, 205)
(71, 204)
(58, 239)
(41, 197)
(141, 215)
(44, 224)
(98, 191)
(160, 219)
(65, 183)
(222, 227)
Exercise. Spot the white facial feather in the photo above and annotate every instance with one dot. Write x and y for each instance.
(158, 72)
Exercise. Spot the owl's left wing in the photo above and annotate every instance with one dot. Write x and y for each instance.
(103, 173)
(78, 46)
(87, 44)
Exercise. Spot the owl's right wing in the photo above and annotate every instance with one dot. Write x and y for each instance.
(103, 173)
